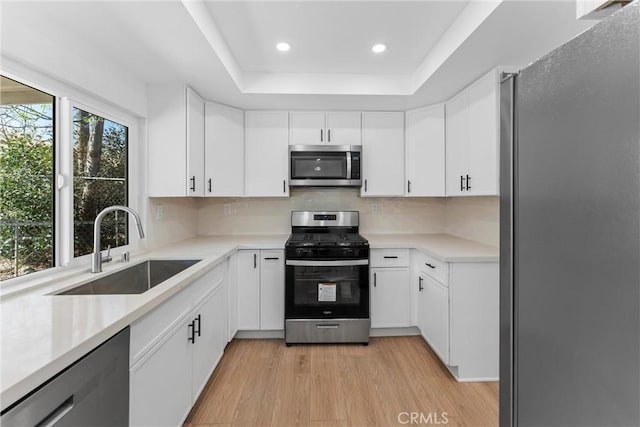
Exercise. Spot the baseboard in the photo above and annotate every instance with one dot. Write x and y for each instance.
(259, 334)
(394, 332)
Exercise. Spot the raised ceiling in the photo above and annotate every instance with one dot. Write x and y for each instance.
(225, 50)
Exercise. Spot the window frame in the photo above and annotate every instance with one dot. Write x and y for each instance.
(66, 193)
(65, 99)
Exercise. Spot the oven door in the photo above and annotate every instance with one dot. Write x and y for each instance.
(327, 289)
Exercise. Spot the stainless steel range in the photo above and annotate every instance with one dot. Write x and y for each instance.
(326, 279)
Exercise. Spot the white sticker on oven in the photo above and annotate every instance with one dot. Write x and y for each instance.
(326, 292)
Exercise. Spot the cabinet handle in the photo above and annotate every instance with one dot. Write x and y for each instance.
(320, 135)
(391, 256)
(375, 280)
(193, 183)
(57, 414)
(429, 265)
(461, 183)
(328, 135)
(408, 186)
(198, 319)
(209, 185)
(192, 335)
(468, 186)
(255, 260)
(420, 288)
(284, 185)
(271, 258)
(365, 185)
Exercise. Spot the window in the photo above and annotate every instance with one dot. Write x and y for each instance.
(99, 180)
(27, 147)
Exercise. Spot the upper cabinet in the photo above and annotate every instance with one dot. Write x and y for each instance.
(266, 153)
(175, 142)
(224, 151)
(472, 123)
(314, 127)
(382, 154)
(425, 149)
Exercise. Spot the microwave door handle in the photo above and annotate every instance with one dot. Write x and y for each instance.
(348, 165)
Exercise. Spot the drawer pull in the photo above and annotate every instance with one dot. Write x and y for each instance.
(420, 287)
(271, 258)
(391, 257)
(429, 265)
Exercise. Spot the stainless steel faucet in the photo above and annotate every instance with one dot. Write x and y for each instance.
(96, 262)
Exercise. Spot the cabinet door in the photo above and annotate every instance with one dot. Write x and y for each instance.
(307, 128)
(436, 320)
(195, 144)
(267, 142)
(457, 151)
(483, 130)
(224, 151)
(425, 151)
(390, 297)
(272, 290)
(248, 290)
(166, 142)
(160, 384)
(211, 323)
(382, 154)
(344, 128)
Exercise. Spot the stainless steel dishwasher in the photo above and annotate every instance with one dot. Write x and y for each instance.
(94, 391)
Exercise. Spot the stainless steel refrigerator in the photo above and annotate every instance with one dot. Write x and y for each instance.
(570, 232)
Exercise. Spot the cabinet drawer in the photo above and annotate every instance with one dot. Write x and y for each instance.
(146, 331)
(390, 258)
(207, 283)
(437, 269)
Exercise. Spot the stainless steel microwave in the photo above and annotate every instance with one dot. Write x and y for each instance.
(325, 165)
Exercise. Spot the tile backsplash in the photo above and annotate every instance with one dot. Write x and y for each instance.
(474, 218)
(272, 215)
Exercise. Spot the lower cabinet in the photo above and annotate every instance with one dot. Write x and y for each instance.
(174, 365)
(458, 315)
(390, 290)
(433, 309)
(260, 289)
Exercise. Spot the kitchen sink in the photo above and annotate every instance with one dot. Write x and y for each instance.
(136, 279)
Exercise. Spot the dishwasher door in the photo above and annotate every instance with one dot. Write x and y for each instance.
(94, 391)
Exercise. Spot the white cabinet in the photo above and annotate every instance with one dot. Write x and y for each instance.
(175, 142)
(211, 337)
(266, 153)
(382, 154)
(223, 151)
(174, 350)
(316, 127)
(272, 290)
(425, 148)
(472, 133)
(435, 316)
(390, 288)
(458, 314)
(260, 289)
(160, 385)
(248, 289)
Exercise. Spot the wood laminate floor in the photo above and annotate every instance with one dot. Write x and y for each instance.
(265, 383)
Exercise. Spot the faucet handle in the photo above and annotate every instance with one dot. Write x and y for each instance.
(107, 257)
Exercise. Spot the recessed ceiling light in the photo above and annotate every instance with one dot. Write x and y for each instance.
(283, 47)
(379, 48)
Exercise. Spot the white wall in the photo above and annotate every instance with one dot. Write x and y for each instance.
(474, 218)
(269, 216)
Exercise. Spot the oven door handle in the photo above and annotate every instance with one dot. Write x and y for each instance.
(342, 263)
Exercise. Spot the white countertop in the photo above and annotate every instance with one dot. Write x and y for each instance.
(41, 334)
(445, 247)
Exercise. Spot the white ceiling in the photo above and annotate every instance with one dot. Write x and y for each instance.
(225, 49)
